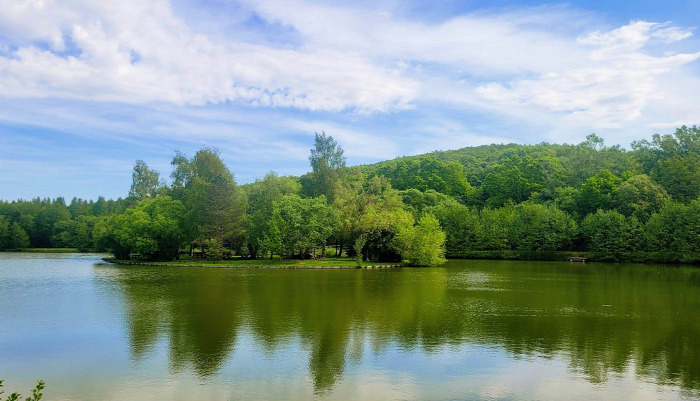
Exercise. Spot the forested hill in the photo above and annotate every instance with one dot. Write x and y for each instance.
(491, 201)
(502, 172)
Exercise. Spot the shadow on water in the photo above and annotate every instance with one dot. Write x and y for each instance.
(600, 319)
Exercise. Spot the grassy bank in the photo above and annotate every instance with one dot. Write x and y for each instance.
(327, 263)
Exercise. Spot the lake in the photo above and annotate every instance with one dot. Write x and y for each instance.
(494, 330)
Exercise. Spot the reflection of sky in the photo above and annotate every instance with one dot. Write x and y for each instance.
(88, 356)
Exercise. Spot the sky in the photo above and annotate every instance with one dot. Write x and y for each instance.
(87, 87)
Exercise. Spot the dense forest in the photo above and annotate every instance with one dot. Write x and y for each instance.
(495, 201)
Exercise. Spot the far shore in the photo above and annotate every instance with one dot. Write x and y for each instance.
(330, 263)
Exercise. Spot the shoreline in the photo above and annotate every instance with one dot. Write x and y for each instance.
(236, 266)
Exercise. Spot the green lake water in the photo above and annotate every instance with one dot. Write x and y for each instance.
(489, 330)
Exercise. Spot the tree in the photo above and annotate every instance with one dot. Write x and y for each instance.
(299, 224)
(261, 196)
(513, 181)
(673, 161)
(4, 233)
(152, 228)
(217, 210)
(422, 244)
(427, 173)
(326, 162)
(675, 230)
(373, 209)
(19, 239)
(145, 183)
(597, 192)
(541, 228)
(459, 223)
(680, 175)
(215, 207)
(608, 234)
(640, 197)
(495, 229)
(48, 216)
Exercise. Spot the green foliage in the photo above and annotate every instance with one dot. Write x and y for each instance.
(326, 152)
(426, 173)
(358, 246)
(681, 175)
(513, 181)
(36, 392)
(45, 220)
(494, 229)
(300, 224)
(500, 199)
(215, 207)
(372, 208)
(422, 244)
(73, 233)
(4, 233)
(675, 230)
(214, 249)
(673, 161)
(459, 223)
(327, 161)
(145, 183)
(639, 196)
(597, 192)
(261, 196)
(608, 234)
(19, 239)
(152, 229)
(418, 201)
(541, 228)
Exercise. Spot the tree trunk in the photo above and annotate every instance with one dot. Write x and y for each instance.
(253, 251)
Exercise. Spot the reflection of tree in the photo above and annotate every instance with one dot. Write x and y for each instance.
(200, 317)
(600, 320)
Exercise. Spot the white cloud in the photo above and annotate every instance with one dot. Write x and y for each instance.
(177, 65)
(615, 86)
(634, 36)
(509, 42)
(544, 67)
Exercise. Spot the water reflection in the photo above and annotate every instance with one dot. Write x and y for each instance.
(599, 319)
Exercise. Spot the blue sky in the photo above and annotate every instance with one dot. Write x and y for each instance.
(87, 88)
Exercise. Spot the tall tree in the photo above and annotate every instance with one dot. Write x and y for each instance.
(326, 162)
(145, 183)
(215, 206)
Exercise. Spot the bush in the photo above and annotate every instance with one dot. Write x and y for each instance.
(422, 244)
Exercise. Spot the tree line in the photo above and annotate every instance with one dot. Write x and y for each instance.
(520, 201)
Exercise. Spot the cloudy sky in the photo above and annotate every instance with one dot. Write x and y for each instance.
(88, 87)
